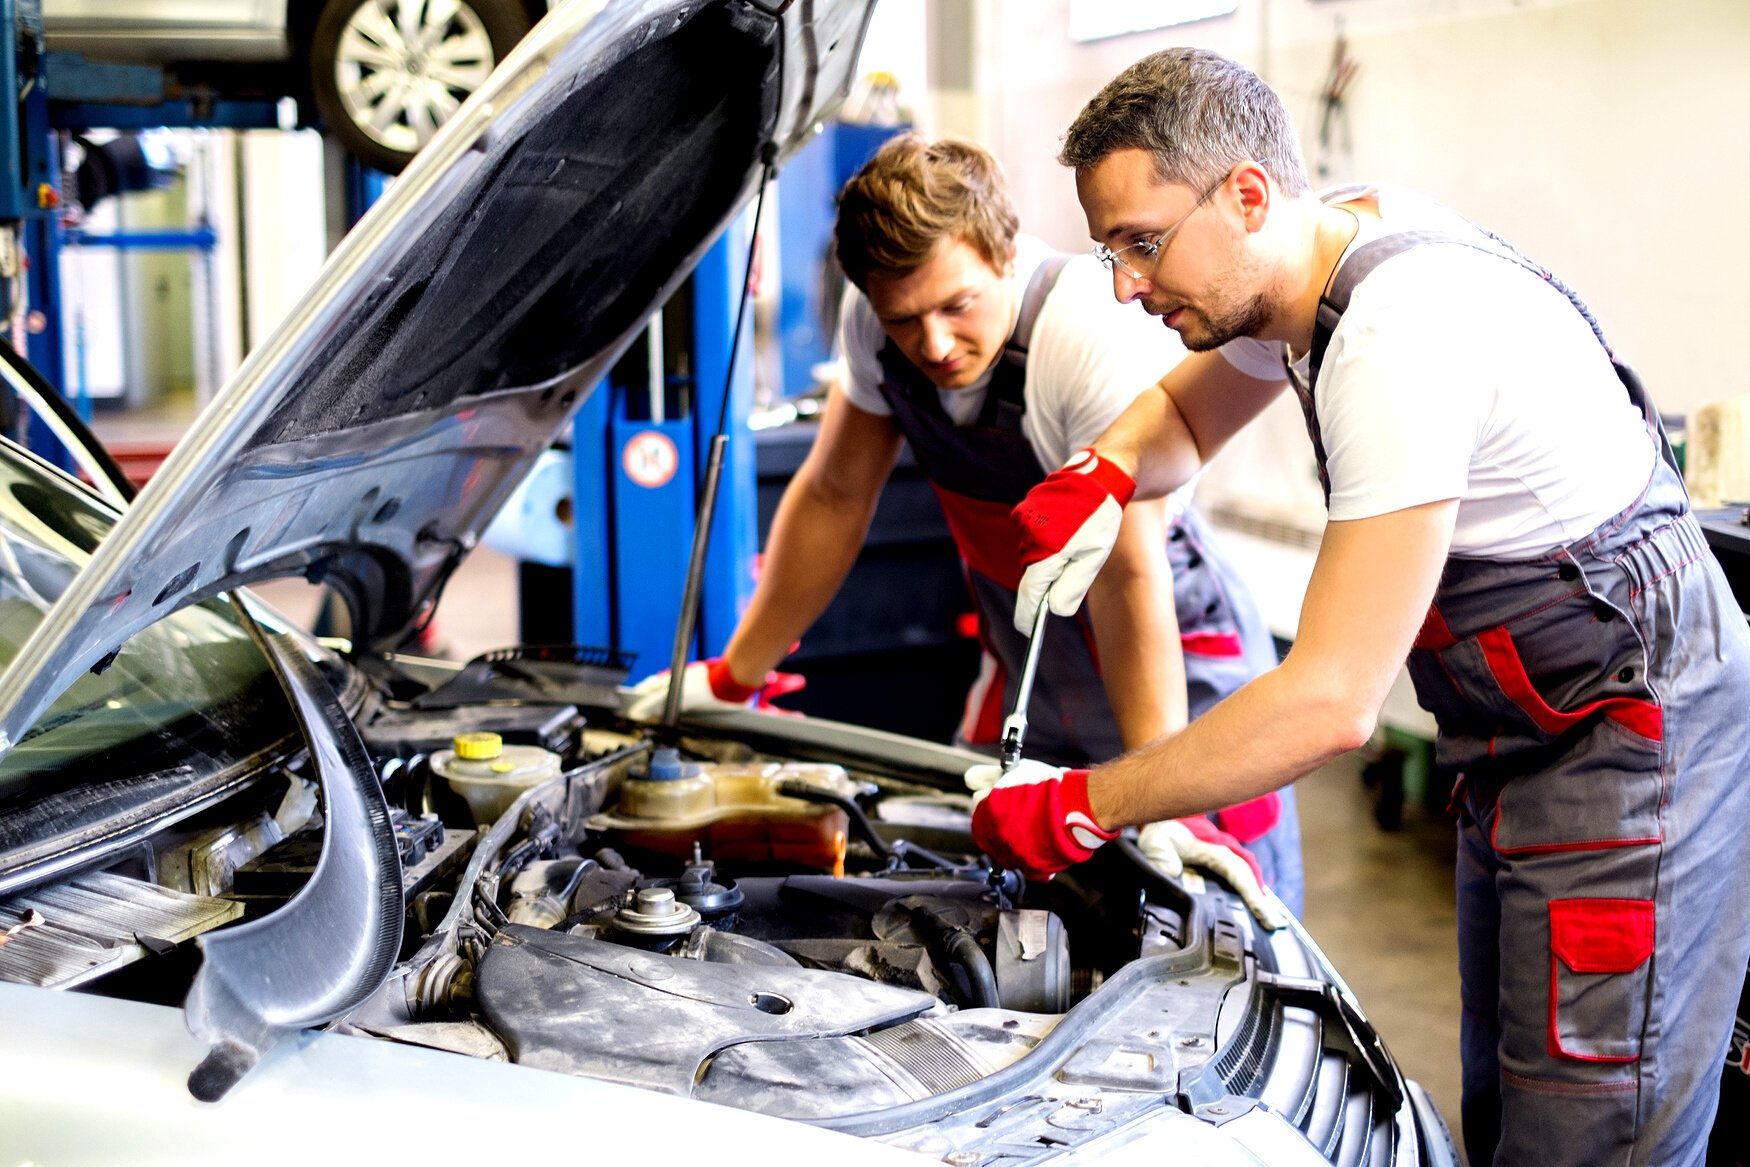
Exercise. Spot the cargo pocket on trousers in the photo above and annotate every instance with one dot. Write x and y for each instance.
(1599, 955)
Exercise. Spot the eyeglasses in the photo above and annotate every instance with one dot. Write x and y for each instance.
(1148, 251)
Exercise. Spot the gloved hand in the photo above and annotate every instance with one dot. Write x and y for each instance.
(1035, 817)
(1176, 844)
(1068, 524)
(705, 684)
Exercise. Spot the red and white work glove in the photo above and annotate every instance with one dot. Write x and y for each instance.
(1067, 525)
(1176, 844)
(705, 685)
(1035, 817)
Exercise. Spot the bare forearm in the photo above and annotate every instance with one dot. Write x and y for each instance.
(1151, 442)
(1137, 630)
(1169, 432)
(1369, 591)
(1263, 737)
(812, 545)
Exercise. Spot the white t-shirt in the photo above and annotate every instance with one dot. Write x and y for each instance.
(1089, 357)
(1456, 374)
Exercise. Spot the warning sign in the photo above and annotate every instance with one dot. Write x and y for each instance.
(650, 459)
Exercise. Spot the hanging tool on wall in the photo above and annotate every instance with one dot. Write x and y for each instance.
(1333, 113)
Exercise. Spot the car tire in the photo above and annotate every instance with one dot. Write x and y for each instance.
(363, 69)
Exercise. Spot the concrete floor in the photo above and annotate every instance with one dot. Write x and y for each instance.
(1381, 904)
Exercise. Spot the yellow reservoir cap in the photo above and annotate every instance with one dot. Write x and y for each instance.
(477, 747)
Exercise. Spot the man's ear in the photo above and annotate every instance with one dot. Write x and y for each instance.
(1256, 191)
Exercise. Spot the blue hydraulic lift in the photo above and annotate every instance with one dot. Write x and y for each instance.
(63, 92)
(639, 451)
(640, 443)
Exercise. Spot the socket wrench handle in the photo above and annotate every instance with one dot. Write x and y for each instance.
(1015, 724)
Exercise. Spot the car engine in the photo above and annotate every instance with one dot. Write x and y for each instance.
(778, 914)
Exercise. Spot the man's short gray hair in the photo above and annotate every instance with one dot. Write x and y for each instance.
(1200, 115)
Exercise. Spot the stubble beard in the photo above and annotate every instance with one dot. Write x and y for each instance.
(1234, 313)
(1247, 318)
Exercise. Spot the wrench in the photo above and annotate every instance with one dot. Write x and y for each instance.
(1015, 724)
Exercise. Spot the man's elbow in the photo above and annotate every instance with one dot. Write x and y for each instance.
(1349, 726)
(1340, 715)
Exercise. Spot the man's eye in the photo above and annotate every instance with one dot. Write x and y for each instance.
(1147, 247)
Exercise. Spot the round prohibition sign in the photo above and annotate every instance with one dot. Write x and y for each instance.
(650, 459)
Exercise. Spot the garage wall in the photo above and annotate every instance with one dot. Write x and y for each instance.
(1608, 138)
(285, 229)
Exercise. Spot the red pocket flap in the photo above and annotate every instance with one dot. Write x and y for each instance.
(1220, 644)
(1601, 936)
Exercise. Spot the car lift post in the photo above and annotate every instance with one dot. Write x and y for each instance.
(638, 452)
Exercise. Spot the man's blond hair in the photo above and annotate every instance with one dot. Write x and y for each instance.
(914, 195)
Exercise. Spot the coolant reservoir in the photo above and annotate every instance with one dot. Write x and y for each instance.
(734, 811)
(490, 775)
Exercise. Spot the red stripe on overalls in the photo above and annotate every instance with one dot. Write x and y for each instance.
(1212, 643)
(1641, 717)
(1435, 635)
(985, 536)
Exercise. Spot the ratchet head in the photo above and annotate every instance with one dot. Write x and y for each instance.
(1014, 730)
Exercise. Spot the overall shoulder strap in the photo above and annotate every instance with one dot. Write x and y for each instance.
(1005, 403)
(1368, 257)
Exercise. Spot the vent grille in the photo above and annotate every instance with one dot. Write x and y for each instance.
(927, 1055)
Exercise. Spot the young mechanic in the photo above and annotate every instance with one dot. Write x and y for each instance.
(1505, 512)
(995, 358)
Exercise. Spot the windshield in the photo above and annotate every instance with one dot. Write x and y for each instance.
(187, 701)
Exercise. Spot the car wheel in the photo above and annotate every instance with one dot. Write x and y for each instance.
(387, 73)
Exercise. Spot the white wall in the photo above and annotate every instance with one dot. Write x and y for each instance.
(1607, 138)
(284, 224)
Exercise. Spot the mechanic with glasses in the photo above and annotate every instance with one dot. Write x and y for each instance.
(1504, 512)
(995, 358)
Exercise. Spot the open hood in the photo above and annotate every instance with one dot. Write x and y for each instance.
(457, 328)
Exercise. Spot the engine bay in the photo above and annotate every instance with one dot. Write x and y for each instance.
(796, 935)
(778, 914)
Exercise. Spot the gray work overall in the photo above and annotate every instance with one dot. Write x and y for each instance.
(1593, 707)
(979, 472)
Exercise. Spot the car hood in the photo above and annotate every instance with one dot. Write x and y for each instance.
(456, 329)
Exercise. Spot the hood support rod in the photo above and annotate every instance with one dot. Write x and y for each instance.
(689, 614)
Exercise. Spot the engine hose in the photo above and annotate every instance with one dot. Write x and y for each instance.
(961, 947)
(970, 957)
(859, 821)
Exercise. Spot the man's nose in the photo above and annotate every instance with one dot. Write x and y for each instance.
(1126, 286)
(938, 339)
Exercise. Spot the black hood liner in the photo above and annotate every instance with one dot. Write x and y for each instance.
(560, 249)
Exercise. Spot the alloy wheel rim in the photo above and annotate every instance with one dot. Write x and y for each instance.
(403, 67)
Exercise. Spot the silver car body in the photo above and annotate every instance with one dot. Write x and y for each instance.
(168, 30)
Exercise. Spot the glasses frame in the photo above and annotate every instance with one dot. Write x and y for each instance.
(1150, 249)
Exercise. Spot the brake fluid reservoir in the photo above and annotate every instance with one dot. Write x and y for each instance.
(734, 811)
(490, 775)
